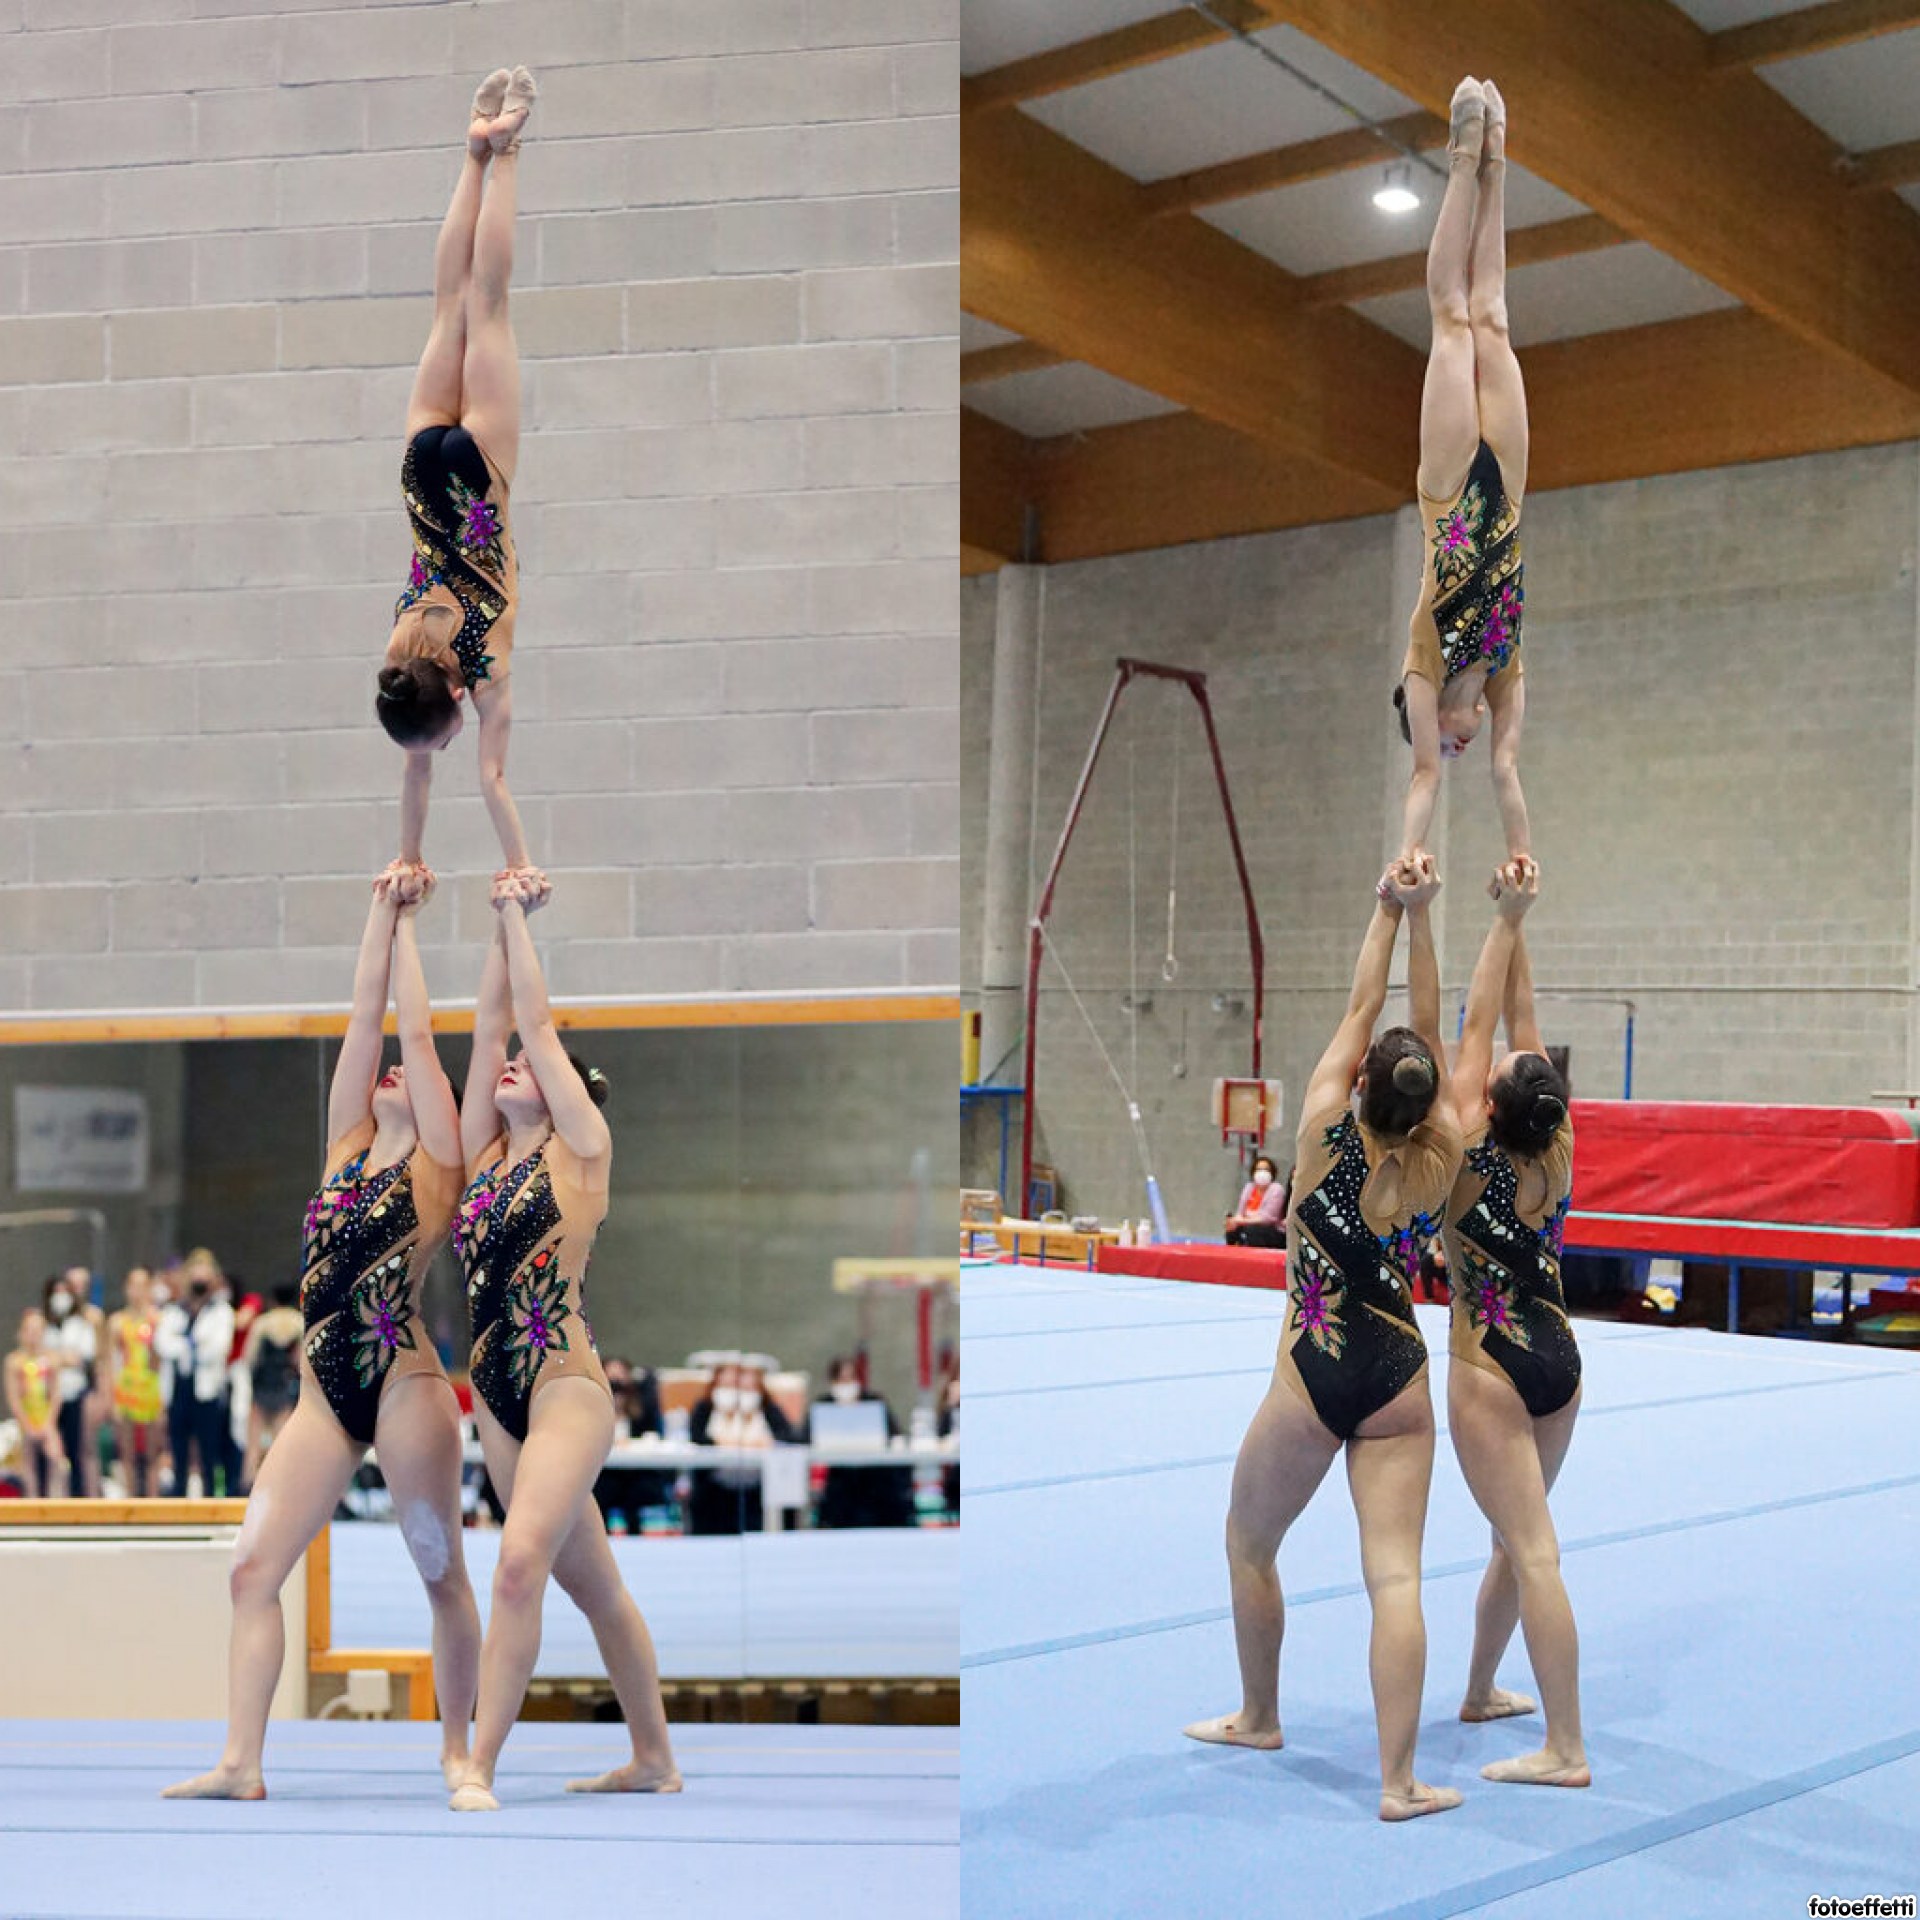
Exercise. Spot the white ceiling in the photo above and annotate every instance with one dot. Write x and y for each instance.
(976, 333)
(1627, 286)
(993, 32)
(1066, 399)
(1322, 224)
(1217, 104)
(1223, 102)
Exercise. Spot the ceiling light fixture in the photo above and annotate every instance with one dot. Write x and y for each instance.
(1395, 193)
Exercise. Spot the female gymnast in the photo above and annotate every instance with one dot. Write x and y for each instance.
(30, 1372)
(1514, 1388)
(538, 1156)
(1463, 657)
(1379, 1145)
(139, 1431)
(453, 622)
(369, 1374)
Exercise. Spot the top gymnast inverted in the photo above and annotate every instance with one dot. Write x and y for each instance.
(453, 623)
(1463, 655)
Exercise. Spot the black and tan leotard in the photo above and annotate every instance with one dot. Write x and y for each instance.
(463, 554)
(1473, 596)
(1509, 1310)
(1354, 1342)
(366, 1247)
(525, 1232)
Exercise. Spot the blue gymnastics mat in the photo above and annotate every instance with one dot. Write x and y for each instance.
(1740, 1528)
(802, 1821)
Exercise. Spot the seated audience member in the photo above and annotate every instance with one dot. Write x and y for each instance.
(735, 1412)
(1261, 1218)
(32, 1373)
(624, 1493)
(863, 1496)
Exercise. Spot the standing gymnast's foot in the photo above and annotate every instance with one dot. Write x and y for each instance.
(632, 1778)
(1237, 1730)
(1418, 1799)
(1542, 1768)
(1495, 1704)
(225, 1782)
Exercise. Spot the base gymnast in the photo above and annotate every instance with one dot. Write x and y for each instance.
(538, 1156)
(369, 1374)
(1463, 655)
(454, 620)
(1513, 1390)
(1378, 1149)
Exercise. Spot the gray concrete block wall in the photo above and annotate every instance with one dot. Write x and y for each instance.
(1720, 763)
(736, 503)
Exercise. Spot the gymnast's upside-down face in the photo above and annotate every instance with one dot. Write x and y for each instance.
(1459, 726)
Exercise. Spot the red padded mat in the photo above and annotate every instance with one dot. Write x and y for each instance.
(1210, 1265)
(1704, 1160)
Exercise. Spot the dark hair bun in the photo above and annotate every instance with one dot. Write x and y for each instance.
(397, 685)
(1411, 1074)
(599, 1087)
(1549, 1111)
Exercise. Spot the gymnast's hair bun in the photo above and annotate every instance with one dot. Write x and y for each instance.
(1411, 1074)
(397, 684)
(1548, 1111)
(599, 1087)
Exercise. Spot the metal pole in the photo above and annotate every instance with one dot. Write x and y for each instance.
(1627, 1091)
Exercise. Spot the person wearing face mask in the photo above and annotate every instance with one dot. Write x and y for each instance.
(863, 1496)
(735, 1413)
(539, 1158)
(74, 1338)
(368, 1372)
(1260, 1220)
(624, 1493)
(31, 1372)
(192, 1341)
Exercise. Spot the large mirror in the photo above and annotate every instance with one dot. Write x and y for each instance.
(771, 1294)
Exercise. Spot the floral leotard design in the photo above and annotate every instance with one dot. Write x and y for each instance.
(1351, 1292)
(461, 543)
(529, 1318)
(364, 1235)
(1479, 594)
(1507, 1286)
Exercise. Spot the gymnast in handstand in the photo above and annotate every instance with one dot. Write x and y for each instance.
(1513, 1390)
(1378, 1148)
(454, 620)
(1463, 656)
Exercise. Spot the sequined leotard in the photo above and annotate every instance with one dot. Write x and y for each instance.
(525, 1232)
(462, 546)
(367, 1243)
(1508, 1306)
(1473, 597)
(1355, 1344)
(136, 1387)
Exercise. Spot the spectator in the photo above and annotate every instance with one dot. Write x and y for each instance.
(32, 1372)
(624, 1493)
(1261, 1218)
(270, 1368)
(735, 1413)
(863, 1496)
(195, 1338)
(247, 1308)
(136, 1386)
(949, 1425)
(74, 1337)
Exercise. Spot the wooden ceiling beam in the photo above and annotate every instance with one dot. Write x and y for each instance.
(1001, 362)
(1713, 390)
(1056, 246)
(1790, 36)
(996, 466)
(1616, 107)
(1103, 55)
(1526, 247)
(1894, 166)
(1290, 166)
